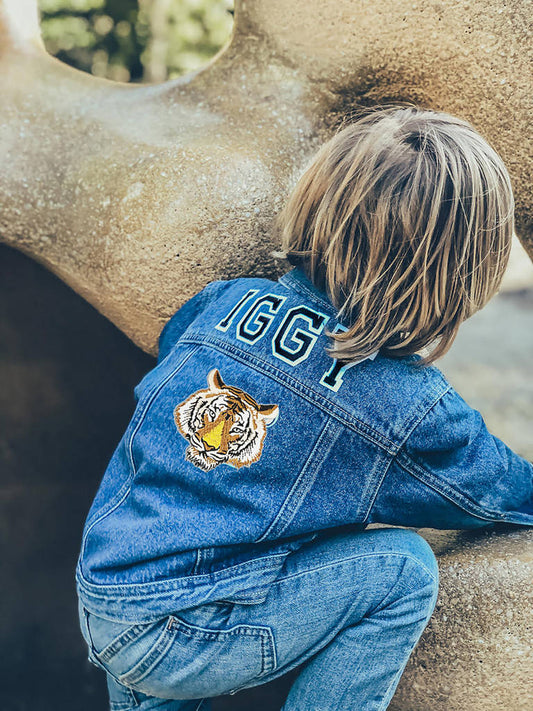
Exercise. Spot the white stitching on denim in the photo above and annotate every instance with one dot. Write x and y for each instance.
(301, 389)
(149, 400)
(308, 476)
(289, 282)
(101, 592)
(263, 632)
(151, 659)
(386, 701)
(198, 561)
(127, 635)
(277, 673)
(458, 498)
(354, 557)
(123, 705)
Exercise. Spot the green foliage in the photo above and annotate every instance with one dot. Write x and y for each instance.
(135, 41)
(197, 30)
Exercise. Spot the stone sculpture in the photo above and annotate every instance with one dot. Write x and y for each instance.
(137, 196)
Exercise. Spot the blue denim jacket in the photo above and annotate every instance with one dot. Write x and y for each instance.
(248, 439)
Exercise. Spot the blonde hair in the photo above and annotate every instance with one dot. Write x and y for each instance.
(404, 218)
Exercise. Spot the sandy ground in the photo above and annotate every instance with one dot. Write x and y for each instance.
(491, 362)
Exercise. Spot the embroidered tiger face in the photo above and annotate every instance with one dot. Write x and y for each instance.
(223, 424)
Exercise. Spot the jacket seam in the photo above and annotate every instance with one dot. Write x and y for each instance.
(264, 563)
(361, 428)
(429, 479)
(377, 486)
(418, 419)
(205, 296)
(149, 400)
(409, 430)
(302, 484)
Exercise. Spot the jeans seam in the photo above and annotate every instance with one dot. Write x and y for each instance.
(150, 660)
(121, 705)
(198, 561)
(354, 557)
(276, 674)
(268, 651)
(92, 654)
(133, 701)
(116, 644)
(395, 676)
(385, 701)
(309, 654)
(175, 623)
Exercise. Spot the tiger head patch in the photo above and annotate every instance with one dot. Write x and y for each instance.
(223, 424)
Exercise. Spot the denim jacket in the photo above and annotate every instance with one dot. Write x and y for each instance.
(248, 439)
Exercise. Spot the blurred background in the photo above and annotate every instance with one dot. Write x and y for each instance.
(136, 41)
(67, 377)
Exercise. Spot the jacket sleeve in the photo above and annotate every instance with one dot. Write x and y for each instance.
(177, 324)
(453, 453)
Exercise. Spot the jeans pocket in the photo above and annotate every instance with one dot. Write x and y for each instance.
(203, 653)
(120, 647)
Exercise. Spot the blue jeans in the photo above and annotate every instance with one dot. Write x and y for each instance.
(349, 607)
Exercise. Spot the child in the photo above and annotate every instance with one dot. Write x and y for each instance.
(225, 545)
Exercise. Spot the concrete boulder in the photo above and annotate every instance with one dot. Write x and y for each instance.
(476, 653)
(137, 196)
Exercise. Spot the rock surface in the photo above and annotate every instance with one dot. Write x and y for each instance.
(476, 652)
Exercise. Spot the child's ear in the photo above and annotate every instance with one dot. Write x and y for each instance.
(214, 380)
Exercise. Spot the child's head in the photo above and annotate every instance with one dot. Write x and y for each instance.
(405, 219)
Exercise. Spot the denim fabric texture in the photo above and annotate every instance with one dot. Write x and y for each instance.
(349, 607)
(249, 445)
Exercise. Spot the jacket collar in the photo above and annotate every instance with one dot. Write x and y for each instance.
(296, 279)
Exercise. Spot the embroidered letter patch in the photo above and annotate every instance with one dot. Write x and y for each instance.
(223, 425)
